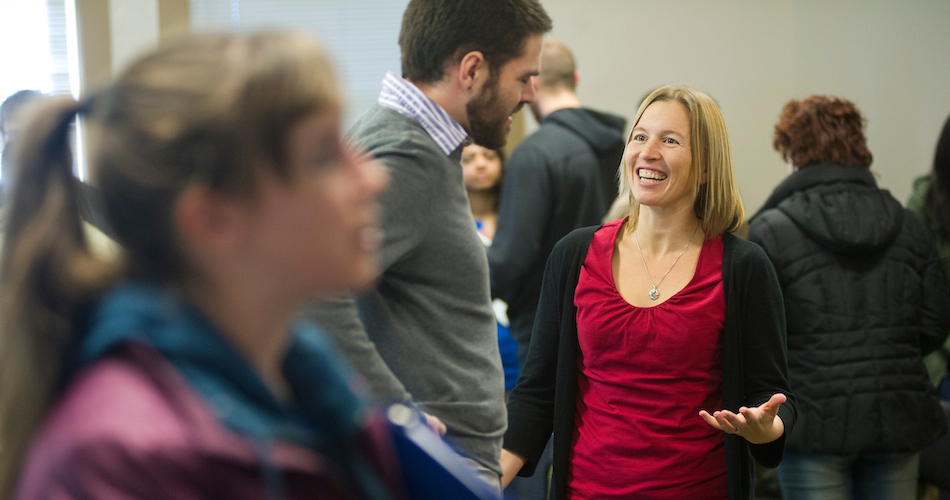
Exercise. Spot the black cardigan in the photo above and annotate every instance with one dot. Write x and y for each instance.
(753, 361)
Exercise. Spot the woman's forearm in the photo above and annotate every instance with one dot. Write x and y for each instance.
(511, 463)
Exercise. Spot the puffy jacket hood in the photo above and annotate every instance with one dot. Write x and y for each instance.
(839, 208)
(600, 130)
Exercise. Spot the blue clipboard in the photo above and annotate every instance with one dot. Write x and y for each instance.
(431, 469)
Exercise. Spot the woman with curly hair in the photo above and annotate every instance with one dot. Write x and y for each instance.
(865, 299)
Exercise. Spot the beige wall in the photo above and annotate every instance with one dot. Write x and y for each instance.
(891, 58)
(134, 30)
(173, 18)
(95, 44)
(112, 32)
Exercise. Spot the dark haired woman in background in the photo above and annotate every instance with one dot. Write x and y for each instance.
(931, 200)
(483, 170)
(865, 299)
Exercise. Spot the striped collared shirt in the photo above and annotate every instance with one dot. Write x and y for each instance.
(402, 96)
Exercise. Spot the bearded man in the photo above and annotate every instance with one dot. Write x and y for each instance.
(426, 333)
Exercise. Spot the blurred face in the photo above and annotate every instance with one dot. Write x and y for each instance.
(481, 168)
(12, 127)
(489, 112)
(319, 229)
(658, 156)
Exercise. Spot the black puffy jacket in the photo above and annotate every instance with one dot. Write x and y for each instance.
(865, 299)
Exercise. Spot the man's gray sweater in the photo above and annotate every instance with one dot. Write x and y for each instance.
(426, 332)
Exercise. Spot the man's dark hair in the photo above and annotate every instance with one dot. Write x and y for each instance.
(437, 33)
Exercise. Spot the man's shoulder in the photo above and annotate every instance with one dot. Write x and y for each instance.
(382, 132)
(550, 144)
(556, 142)
(551, 132)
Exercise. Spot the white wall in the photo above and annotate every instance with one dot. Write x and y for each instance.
(134, 30)
(891, 58)
(360, 35)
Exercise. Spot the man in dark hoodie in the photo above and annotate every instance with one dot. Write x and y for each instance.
(562, 177)
(865, 299)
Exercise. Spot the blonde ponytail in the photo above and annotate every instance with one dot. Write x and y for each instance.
(48, 278)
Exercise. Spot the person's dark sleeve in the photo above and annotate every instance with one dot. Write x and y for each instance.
(523, 213)
(531, 405)
(935, 306)
(763, 344)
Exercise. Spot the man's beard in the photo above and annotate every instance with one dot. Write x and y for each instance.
(486, 130)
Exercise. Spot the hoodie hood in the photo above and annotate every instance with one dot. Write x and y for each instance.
(600, 130)
(840, 208)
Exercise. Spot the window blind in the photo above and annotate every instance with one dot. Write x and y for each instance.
(34, 56)
(33, 35)
(360, 35)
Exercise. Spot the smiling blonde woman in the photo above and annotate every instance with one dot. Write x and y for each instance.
(658, 354)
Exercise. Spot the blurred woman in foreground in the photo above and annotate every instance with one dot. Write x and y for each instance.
(175, 371)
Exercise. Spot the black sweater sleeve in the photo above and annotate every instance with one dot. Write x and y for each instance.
(761, 313)
(531, 407)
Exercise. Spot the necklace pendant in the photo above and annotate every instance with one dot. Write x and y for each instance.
(654, 294)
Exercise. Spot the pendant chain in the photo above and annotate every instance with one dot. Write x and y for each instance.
(654, 293)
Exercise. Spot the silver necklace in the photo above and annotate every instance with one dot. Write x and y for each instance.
(654, 293)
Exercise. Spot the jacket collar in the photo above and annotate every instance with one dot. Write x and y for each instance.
(323, 409)
(822, 173)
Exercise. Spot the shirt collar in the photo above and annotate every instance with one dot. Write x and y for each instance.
(401, 96)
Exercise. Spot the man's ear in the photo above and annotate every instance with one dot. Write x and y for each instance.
(207, 221)
(473, 71)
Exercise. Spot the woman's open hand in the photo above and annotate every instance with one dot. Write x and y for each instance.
(757, 425)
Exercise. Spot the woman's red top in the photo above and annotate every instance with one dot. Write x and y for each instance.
(644, 373)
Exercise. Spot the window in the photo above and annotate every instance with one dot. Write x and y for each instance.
(361, 37)
(33, 47)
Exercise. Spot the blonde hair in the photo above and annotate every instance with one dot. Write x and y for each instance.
(717, 202)
(210, 110)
